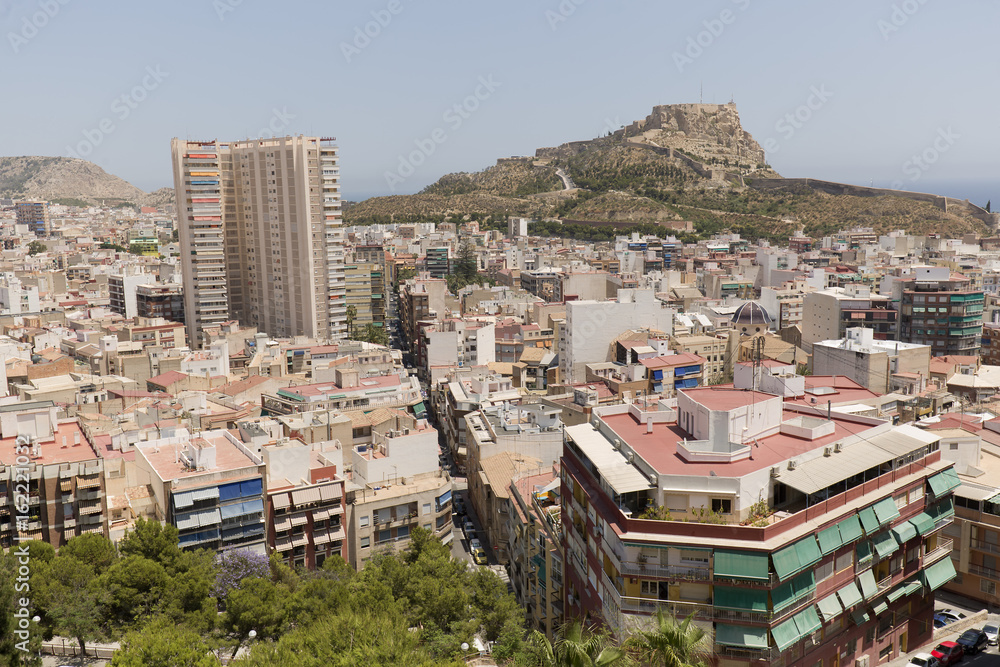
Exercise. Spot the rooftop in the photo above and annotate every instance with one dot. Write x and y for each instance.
(164, 457)
(69, 445)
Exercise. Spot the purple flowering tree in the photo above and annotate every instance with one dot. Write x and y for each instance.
(237, 565)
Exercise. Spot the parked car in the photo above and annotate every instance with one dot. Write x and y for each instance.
(991, 634)
(477, 551)
(973, 641)
(950, 615)
(458, 506)
(948, 653)
(940, 622)
(469, 528)
(923, 660)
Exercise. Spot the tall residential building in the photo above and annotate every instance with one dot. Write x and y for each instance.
(828, 313)
(260, 234)
(35, 214)
(793, 535)
(941, 309)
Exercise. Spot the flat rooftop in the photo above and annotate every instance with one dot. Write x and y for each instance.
(166, 463)
(659, 448)
(61, 449)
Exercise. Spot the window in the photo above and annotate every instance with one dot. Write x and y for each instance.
(900, 501)
(722, 505)
(824, 571)
(676, 503)
(366, 542)
(363, 520)
(649, 588)
(988, 587)
(912, 554)
(427, 509)
(953, 446)
(846, 560)
(916, 493)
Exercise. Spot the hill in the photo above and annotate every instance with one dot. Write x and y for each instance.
(683, 162)
(70, 180)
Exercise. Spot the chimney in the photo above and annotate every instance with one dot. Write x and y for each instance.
(649, 424)
(829, 410)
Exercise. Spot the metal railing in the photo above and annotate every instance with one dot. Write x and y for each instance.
(985, 546)
(985, 572)
(943, 548)
(647, 569)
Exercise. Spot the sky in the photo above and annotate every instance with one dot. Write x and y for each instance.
(895, 93)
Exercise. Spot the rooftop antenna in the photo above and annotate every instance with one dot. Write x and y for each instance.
(701, 93)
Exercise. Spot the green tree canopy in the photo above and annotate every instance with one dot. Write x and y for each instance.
(163, 643)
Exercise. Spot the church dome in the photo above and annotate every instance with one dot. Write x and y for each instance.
(751, 318)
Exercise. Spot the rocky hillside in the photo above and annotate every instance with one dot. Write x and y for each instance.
(691, 162)
(68, 179)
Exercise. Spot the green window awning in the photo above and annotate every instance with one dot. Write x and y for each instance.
(886, 510)
(904, 532)
(830, 540)
(868, 520)
(751, 565)
(943, 510)
(880, 608)
(741, 635)
(864, 552)
(808, 551)
(943, 482)
(785, 634)
(896, 593)
(807, 621)
(913, 587)
(830, 607)
(850, 529)
(868, 587)
(789, 592)
(885, 545)
(743, 599)
(938, 574)
(922, 523)
(850, 595)
(786, 562)
(859, 617)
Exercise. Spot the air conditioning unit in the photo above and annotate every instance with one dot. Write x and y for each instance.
(828, 451)
(792, 464)
(618, 444)
(776, 471)
(631, 457)
(863, 661)
(838, 447)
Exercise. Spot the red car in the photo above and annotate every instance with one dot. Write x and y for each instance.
(948, 653)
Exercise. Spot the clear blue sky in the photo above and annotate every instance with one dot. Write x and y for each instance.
(891, 89)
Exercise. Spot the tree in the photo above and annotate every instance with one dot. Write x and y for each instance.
(258, 604)
(70, 595)
(162, 643)
(237, 565)
(153, 540)
(352, 314)
(372, 333)
(96, 550)
(134, 587)
(669, 643)
(576, 646)
(36, 247)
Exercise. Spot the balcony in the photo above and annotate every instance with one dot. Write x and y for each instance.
(944, 548)
(987, 572)
(683, 572)
(769, 655)
(984, 546)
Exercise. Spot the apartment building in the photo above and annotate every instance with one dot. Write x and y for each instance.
(17, 298)
(709, 348)
(358, 290)
(534, 529)
(420, 300)
(306, 501)
(348, 391)
(828, 313)
(941, 309)
(209, 485)
(791, 534)
(872, 363)
(396, 486)
(260, 235)
(122, 290)
(34, 214)
(52, 485)
(160, 300)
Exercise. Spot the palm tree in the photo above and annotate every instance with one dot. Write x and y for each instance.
(352, 314)
(578, 647)
(669, 643)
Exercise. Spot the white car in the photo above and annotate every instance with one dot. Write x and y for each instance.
(991, 632)
(923, 660)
